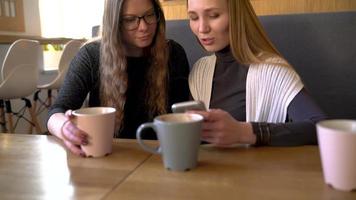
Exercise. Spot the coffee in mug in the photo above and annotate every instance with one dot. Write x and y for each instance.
(179, 137)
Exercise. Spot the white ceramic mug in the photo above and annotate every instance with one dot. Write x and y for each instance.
(99, 124)
(179, 137)
(337, 144)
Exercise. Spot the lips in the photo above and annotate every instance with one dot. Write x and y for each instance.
(207, 41)
(145, 37)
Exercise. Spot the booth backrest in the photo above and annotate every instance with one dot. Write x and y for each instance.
(321, 47)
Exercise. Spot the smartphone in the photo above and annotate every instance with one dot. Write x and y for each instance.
(188, 105)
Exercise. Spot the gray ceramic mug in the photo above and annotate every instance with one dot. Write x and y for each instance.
(179, 137)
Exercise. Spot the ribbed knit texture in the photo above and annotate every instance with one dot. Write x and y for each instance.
(201, 79)
(270, 88)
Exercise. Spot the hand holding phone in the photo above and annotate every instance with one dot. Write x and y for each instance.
(188, 105)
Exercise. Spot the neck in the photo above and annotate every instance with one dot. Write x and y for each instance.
(225, 55)
(133, 51)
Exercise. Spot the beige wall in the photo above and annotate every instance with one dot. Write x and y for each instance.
(176, 9)
(32, 19)
(271, 7)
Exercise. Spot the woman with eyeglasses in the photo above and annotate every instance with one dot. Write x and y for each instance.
(132, 68)
(254, 95)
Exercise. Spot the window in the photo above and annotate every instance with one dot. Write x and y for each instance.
(70, 18)
(67, 19)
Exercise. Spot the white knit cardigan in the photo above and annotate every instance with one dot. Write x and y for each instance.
(270, 87)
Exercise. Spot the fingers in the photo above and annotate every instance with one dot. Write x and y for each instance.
(73, 138)
(211, 138)
(73, 134)
(218, 127)
(210, 135)
(205, 114)
(212, 115)
(68, 114)
(214, 138)
(75, 149)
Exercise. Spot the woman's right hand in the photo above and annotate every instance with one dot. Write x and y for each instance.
(73, 138)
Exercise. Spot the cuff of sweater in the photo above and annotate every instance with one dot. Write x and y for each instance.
(262, 132)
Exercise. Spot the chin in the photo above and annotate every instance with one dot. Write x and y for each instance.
(211, 48)
(214, 48)
(143, 44)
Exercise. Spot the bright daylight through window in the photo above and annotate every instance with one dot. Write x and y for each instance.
(67, 19)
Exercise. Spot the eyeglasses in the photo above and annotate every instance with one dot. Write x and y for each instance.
(131, 22)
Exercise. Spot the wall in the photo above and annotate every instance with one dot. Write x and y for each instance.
(272, 7)
(32, 19)
(176, 9)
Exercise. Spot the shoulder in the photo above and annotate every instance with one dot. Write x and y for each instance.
(88, 57)
(174, 46)
(209, 59)
(275, 67)
(91, 48)
(203, 62)
(203, 69)
(273, 71)
(177, 58)
(89, 53)
(176, 51)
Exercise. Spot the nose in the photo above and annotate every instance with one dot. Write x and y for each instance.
(203, 26)
(142, 25)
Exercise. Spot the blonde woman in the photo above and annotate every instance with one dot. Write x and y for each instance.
(132, 68)
(254, 95)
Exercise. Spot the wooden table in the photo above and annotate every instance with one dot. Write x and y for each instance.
(37, 167)
(235, 173)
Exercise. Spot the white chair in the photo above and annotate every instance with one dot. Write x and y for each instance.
(19, 76)
(71, 48)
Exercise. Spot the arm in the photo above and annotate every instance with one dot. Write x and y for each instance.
(74, 89)
(79, 80)
(59, 125)
(300, 129)
(221, 129)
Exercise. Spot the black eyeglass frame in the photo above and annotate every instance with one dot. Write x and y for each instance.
(143, 17)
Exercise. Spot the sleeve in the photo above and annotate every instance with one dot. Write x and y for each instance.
(178, 74)
(303, 114)
(77, 83)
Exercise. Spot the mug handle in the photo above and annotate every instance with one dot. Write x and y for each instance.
(141, 142)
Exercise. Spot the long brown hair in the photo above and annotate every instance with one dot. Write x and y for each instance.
(249, 42)
(113, 64)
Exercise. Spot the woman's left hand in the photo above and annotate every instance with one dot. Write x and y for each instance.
(221, 129)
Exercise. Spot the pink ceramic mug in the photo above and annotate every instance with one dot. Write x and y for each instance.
(99, 123)
(337, 144)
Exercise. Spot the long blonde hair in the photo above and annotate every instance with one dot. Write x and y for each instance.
(113, 64)
(249, 42)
